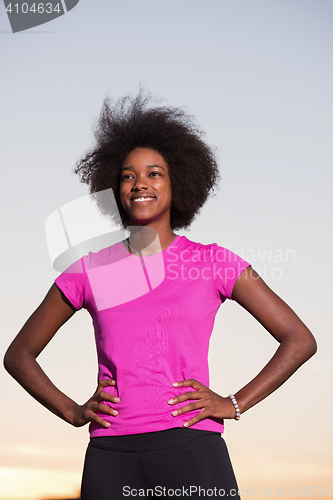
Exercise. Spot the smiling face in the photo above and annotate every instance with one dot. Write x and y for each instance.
(145, 188)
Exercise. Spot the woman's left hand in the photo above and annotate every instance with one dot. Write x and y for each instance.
(211, 403)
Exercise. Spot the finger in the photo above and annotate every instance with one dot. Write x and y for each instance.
(190, 407)
(106, 382)
(99, 420)
(106, 409)
(188, 395)
(99, 407)
(105, 396)
(195, 419)
(191, 382)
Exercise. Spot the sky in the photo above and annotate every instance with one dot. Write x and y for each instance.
(258, 77)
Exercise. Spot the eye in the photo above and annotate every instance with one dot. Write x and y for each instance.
(151, 173)
(125, 177)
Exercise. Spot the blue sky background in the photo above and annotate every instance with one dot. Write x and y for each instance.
(258, 77)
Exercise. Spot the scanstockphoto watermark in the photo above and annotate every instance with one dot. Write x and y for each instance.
(28, 14)
(162, 491)
(221, 263)
(268, 261)
(263, 492)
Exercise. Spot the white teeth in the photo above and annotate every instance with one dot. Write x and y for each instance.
(143, 199)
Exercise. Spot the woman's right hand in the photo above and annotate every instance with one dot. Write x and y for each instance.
(87, 412)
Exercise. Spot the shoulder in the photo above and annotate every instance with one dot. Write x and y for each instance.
(190, 245)
(213, 251)
(104, 256)
(188, 250)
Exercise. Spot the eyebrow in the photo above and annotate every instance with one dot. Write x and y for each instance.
(148, 166)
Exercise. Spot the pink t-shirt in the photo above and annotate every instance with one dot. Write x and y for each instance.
(153, 318)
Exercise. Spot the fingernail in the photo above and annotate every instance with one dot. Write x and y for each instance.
(174, 412)
(186, 424)
(116, 400)
(175, 384)
(107, 424)
(115, 412)
(171, 401)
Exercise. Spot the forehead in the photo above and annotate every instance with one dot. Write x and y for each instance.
(144, 157)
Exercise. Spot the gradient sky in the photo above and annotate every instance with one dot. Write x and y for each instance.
(257, 75)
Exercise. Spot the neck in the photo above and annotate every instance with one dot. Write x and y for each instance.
(148, 241)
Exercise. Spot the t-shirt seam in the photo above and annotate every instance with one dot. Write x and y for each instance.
(211, 269)
(233, 281)
(86, 280)
(68, 294)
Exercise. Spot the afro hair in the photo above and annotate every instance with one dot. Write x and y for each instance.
(133, 122)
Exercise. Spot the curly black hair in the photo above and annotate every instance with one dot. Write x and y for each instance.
(131, 123)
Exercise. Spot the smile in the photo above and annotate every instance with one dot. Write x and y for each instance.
(141, 200)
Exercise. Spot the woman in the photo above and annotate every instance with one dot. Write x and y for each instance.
(155, 425)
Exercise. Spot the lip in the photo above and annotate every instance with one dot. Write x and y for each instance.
(142, 199)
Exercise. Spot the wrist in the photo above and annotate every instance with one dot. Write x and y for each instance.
(70, 413)
(235, 406)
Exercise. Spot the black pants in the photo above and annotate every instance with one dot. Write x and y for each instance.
(179, 462)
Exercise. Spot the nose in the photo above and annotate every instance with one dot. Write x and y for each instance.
(140, 183)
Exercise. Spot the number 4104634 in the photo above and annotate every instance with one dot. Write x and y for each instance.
(36, 8)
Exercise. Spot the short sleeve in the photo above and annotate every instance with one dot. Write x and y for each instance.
(72, 282)
(226, 268)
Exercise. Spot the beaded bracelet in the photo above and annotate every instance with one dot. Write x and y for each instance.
(234, 402)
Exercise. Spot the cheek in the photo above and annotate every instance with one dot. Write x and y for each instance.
(167, 194)
(121, 195)
(170, 193)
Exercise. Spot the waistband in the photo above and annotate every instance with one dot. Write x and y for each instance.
(148, 441)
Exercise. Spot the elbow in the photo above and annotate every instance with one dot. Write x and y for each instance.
(12, 361)
(303, 345)
(8, 362)
(309, 347)
(313, 347)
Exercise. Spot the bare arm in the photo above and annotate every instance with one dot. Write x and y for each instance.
(20, 362)
(297, 345)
